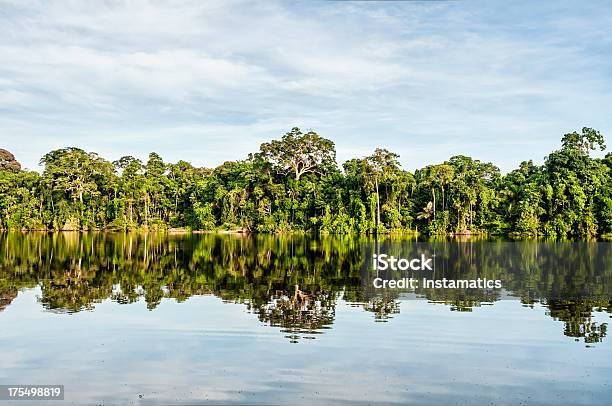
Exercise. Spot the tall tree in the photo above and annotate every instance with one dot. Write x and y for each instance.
(76, 174)
(300, 153)
(131, 184)
(379, 166)
(588, 140)
(569, 196)
(8, 161)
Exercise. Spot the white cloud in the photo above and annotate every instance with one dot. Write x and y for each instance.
(218, 78)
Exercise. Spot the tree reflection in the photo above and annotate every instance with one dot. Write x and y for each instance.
(383, 307)
(6, 297)
(577, 316)
(295, 283)
(299, 314)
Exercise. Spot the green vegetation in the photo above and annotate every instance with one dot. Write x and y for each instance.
(294, 184)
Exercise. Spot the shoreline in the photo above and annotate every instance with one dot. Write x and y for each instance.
(240, 232)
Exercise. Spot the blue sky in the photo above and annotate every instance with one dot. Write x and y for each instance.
(209, 81)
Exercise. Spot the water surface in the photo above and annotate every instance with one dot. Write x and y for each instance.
(126, 318)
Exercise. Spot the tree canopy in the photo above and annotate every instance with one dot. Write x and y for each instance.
(8, 161)
(294, 184)
(299, 153)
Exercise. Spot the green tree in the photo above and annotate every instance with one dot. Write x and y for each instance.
(299, 153)
(130, 187)
(77, 175)
(588, 140)
(382, 165)
(294, 184)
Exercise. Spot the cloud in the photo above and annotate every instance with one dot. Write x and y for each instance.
(212, 80)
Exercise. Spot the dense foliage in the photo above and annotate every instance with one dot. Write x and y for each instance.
(294, 184)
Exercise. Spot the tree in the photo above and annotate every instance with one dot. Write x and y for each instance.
(379, 166)
(155, 184)
(427, 212)
(76, 174)
(130, 183)
(569, 196)
(521, 196)
(445, 174)
(300, 153)
(575, 186)
(8, 161)
(588, 140)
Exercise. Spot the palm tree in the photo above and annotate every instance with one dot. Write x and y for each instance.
(427, 212)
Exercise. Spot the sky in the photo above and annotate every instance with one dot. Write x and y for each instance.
(207, 81)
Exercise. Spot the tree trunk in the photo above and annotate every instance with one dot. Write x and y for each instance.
(297, 173)
(146, 211)
(377, 205)
(459, 221)
(433, 195)
(81, 207)
(443, 200)
(471, 216)
(40, 209)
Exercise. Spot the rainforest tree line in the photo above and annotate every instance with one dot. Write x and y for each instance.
(295, 184)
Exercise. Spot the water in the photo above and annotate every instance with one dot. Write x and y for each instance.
(182, 319)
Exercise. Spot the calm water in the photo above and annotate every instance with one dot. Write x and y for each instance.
(227, 319)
